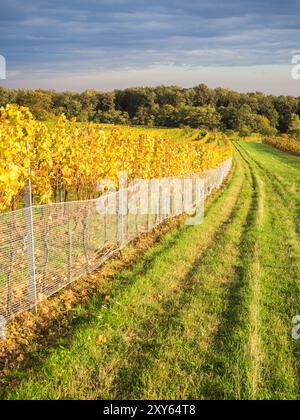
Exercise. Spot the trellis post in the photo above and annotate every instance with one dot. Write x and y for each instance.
(30, 239)
(122, 207)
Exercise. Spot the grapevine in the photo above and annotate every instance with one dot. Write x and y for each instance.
(70, 159)
(285, 143)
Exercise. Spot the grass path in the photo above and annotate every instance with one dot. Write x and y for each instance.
(205, 314)
(279, 252)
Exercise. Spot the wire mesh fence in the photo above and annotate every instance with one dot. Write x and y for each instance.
(45, 248)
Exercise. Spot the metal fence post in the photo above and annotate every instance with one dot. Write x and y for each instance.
(127, 218)
(159, 215)
(2, 328)
(30, 244)
(30, 237)
(172, 199)
(70, 248)
(105, 225)
(121, 209)
(149, 207)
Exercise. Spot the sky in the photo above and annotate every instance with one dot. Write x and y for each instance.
(246, 45)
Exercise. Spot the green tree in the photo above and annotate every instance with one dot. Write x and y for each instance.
(286, 106)
(106, 101)
(143, 117)
(68, 103)
(7, 96)
(39, 102)
(294, 126)
(203, 96)
(264, 127)
(166, 116)
(204, 117)
(171, 95)
(130, 100)
(89, 102)
(112, 117)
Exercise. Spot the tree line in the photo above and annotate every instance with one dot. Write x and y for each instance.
(167, 106)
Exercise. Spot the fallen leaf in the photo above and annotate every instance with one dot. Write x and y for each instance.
(101, 339)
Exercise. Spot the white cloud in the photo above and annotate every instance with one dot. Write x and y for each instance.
(84, 39)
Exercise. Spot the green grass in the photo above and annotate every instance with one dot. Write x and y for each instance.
(206, 314)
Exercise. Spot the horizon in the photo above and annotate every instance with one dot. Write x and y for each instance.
(244, 46)
(150, 86)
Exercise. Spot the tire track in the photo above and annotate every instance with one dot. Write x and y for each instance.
(143, 353)
(207, 317)
(280, 292)
(217, 319)
(254, 349)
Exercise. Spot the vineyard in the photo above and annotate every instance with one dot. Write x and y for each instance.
(285, 143)
(68, 160)
(204, 313)
(64, 165)
(201, 312)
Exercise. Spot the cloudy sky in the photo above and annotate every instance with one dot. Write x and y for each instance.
(104, 44)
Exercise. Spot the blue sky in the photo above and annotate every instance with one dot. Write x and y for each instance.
(241, 44)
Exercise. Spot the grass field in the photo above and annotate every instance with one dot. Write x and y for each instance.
(206, 314)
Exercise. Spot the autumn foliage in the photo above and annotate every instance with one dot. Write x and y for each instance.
(69, 159)
(285, 143)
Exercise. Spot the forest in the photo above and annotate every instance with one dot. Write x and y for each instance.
(167, 106)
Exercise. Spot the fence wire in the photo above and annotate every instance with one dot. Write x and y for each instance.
(45, 248)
